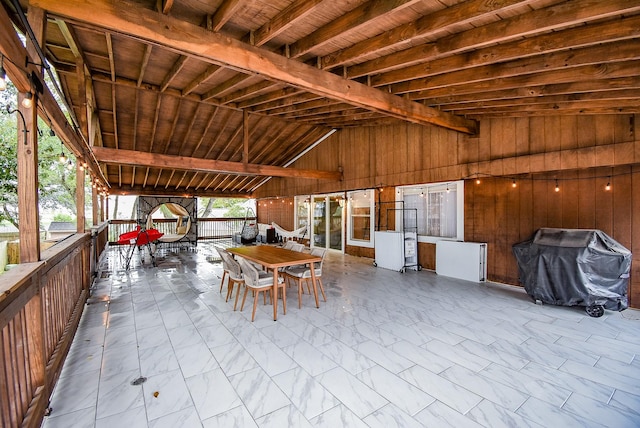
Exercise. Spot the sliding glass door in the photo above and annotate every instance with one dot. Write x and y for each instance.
(327, 221)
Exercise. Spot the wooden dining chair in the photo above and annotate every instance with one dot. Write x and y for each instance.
(303, 273)
(236, 276)
(258, 283)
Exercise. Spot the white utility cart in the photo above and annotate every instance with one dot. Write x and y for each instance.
(396, 248)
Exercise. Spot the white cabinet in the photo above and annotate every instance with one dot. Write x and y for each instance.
(396, 250)
(463, 260)
(389, 249)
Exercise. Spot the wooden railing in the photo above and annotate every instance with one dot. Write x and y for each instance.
(208, 228)
(99, 241)
(40, 307)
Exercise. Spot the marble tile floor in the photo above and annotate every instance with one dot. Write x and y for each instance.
(386, 350)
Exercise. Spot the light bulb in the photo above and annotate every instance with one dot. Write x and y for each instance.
(477, 181)
(514, 183)
(3, 79)
(27, 101)
(608, 186)
(557, 186)
(63, 157)
(69, 165)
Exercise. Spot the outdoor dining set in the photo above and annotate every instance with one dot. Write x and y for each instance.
(270, 270)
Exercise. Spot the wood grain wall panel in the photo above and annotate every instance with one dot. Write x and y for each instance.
(604, 210)
(523, 142)
(605, 130)
(539, 149)
(484, 141)
(568, 132)
(501, 247)
(536, 135)
(427, 255)
(569, 211)
(622, 205)
(586, 200)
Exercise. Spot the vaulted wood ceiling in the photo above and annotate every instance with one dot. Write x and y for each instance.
(211, 97)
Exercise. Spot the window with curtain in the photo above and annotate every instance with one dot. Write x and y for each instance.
(438, 210)
(302, 211)
(360, 222)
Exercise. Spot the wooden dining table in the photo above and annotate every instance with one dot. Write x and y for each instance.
(275, 257)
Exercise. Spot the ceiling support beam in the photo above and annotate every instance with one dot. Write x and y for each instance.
(155, 160)
(150, 27)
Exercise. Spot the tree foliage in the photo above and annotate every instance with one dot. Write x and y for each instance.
(56, 183)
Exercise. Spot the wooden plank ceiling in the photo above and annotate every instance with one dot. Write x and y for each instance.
(210, 97)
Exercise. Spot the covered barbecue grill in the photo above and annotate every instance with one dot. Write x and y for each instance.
(575, 267)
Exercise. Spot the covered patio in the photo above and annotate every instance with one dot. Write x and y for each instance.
(386, 349)
(525, 112)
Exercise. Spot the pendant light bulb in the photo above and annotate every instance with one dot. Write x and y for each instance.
(514, 185)
(63, 157)
(27, 101)
(557, 186)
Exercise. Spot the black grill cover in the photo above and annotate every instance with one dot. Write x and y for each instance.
(574, 267)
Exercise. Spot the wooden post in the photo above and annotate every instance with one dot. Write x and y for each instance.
(27, 153)
(101, 208)
(80, 222)
(94, 205)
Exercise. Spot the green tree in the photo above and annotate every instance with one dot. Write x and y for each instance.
(57, 184)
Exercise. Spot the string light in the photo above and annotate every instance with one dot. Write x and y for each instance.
(447, 187)
(422, 193)
(608, 186)
(514, 185)
(27, 101)
(477, 181)
(557, 186)
(69, 165)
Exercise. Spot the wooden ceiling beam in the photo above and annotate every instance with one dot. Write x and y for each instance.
(206, 75)
(165, 6)
(614, 99)
(603, 55)
(289, 101)
(563, 15)
(149, 26)
(175, 70)
(206, 130)
(428, 25)
(556, 42)
(247, 92)
(293, 13)
(561, 76)
(182, 163)
(227, 85)
(255, 104)
(361, 15)
(143, 64)
(223, 14)
(623, 83)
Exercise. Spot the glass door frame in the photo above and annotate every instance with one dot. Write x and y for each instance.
(329, 219)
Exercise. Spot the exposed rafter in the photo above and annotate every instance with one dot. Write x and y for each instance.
(141, 24)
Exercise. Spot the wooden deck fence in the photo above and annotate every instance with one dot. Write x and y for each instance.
(40, 308)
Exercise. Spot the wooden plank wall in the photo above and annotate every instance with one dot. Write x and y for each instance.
(582, 152)
(279, 210)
